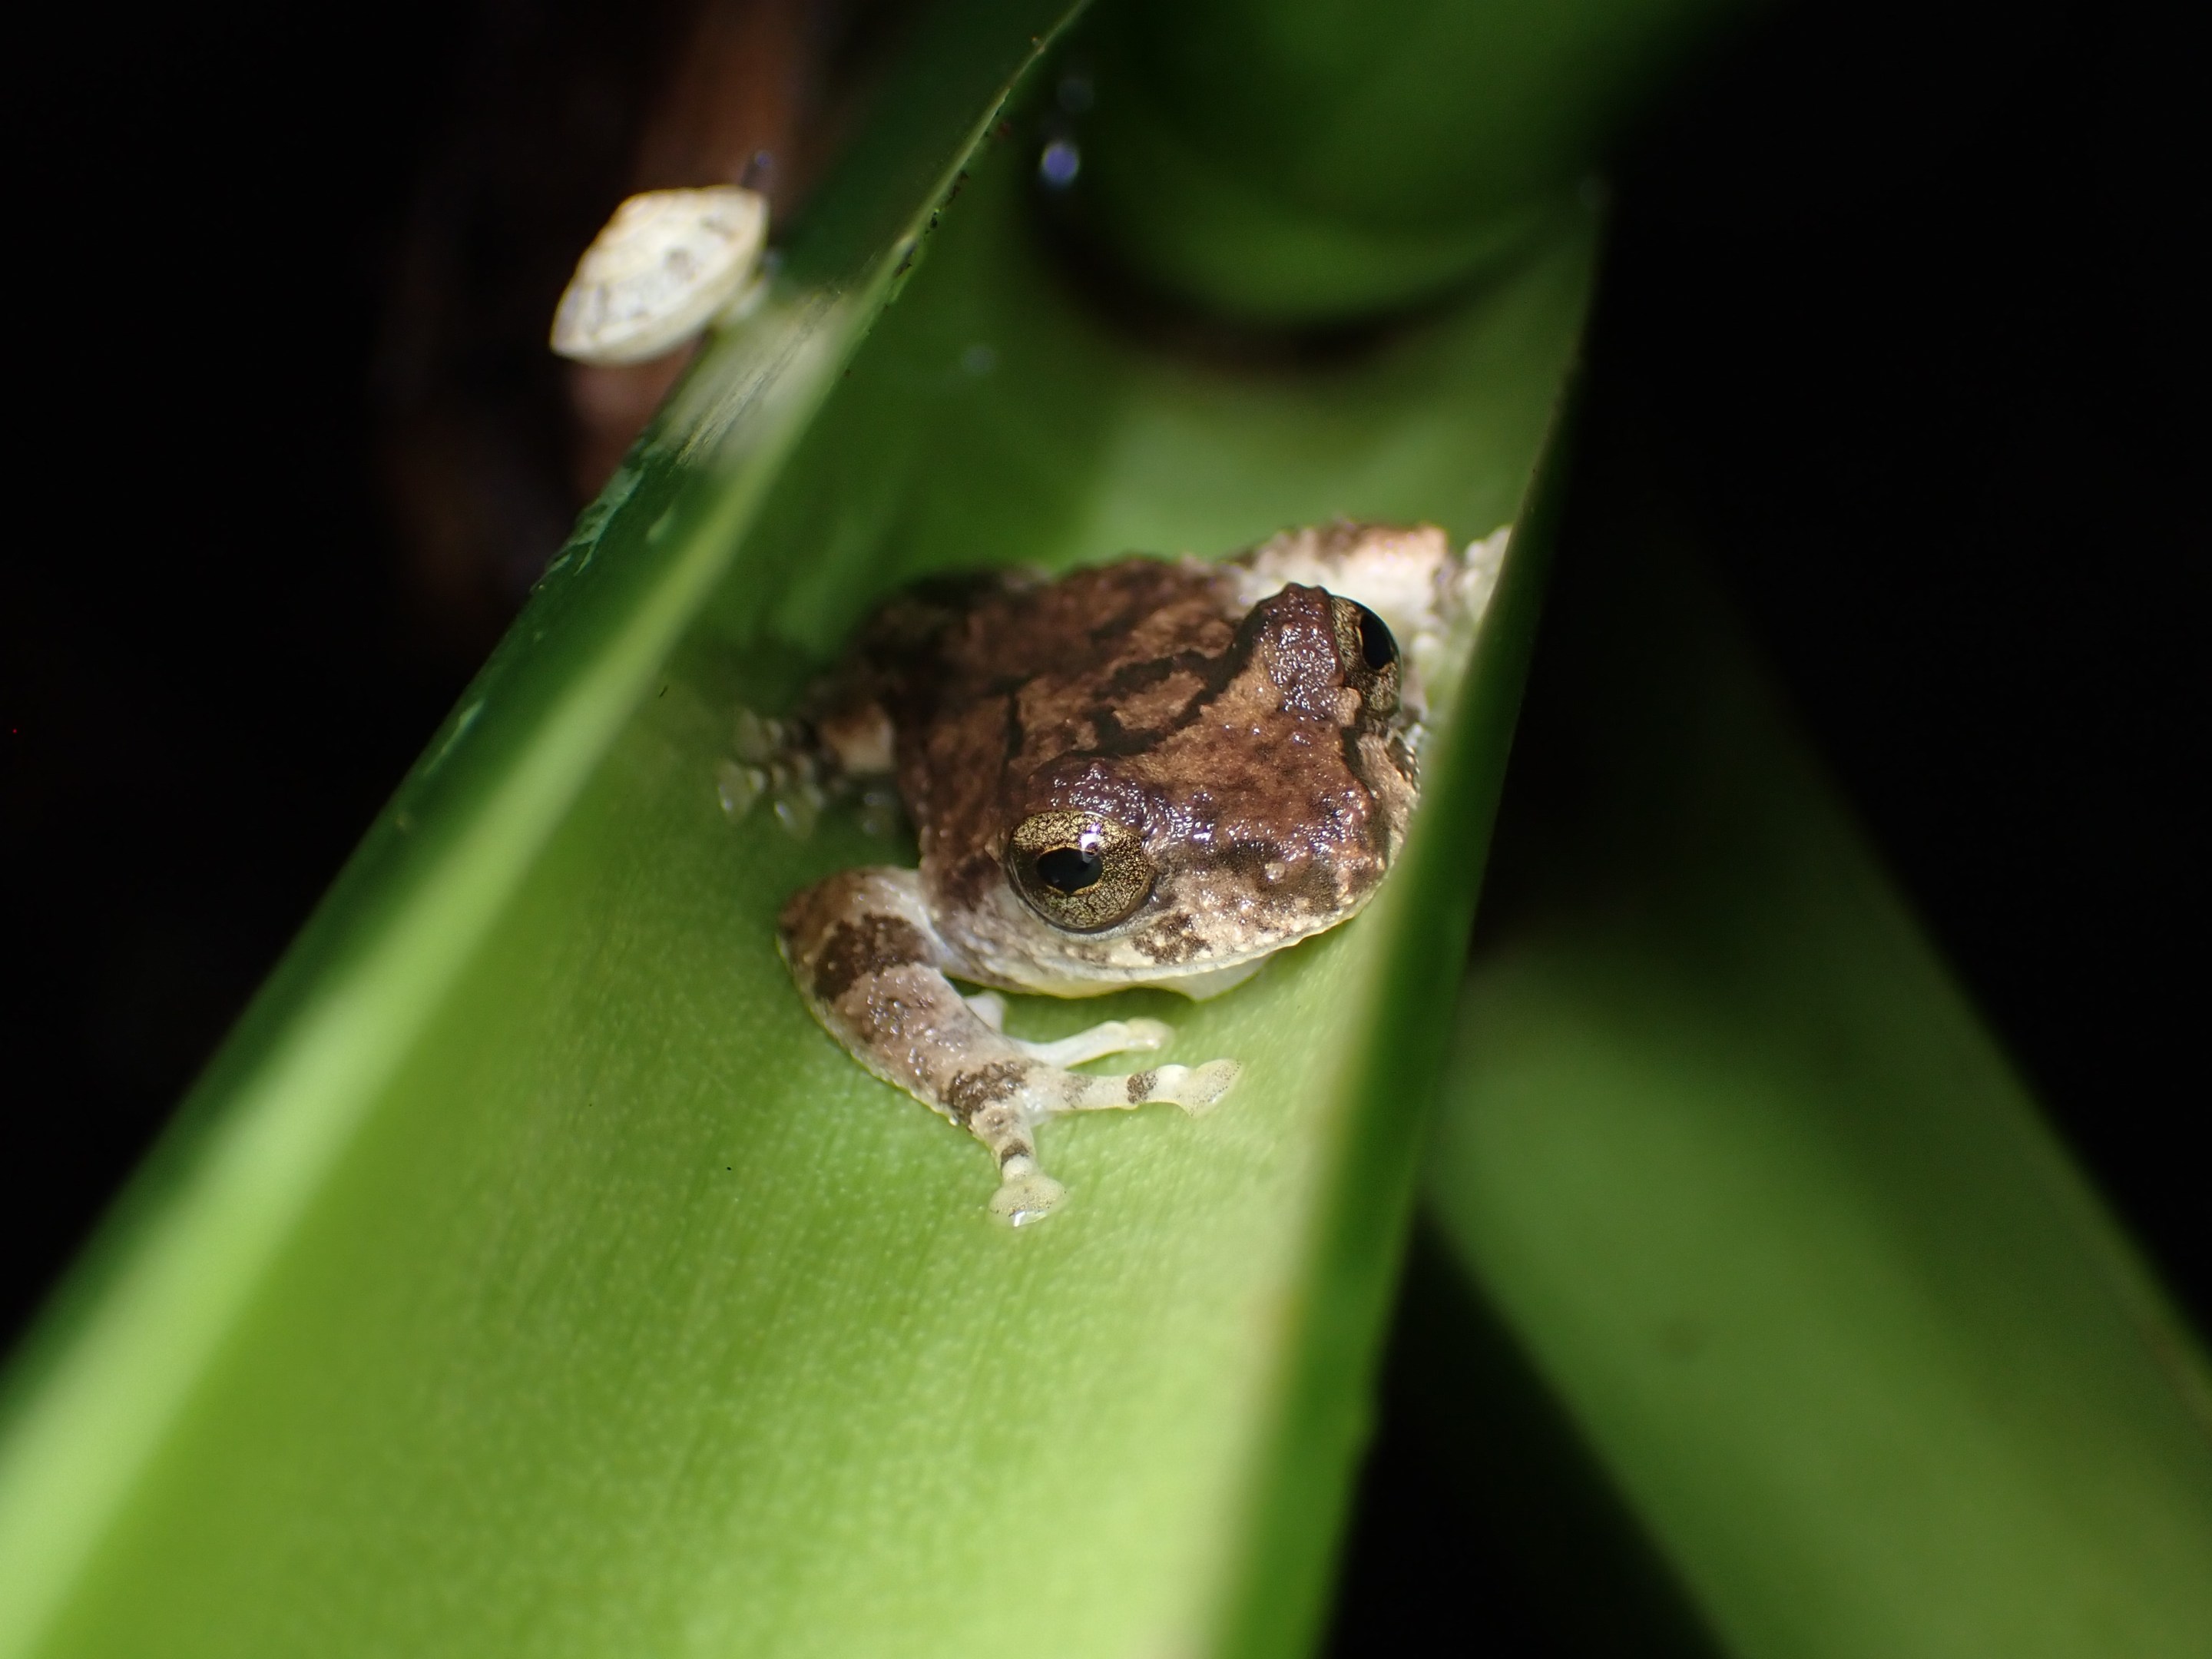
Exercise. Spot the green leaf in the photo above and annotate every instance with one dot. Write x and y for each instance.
(529, 1273)
(1746, 1179)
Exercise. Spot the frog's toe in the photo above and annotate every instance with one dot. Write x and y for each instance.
(1193, 1088)
(1199, 1089)
(1026, 1194)
(1115, 1036)
(778, 762)
(1147, 1034)
(737, 787)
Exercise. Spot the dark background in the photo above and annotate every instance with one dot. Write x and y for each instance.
(1904, 291)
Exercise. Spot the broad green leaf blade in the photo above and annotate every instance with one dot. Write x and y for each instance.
(532, 1274)
(1740, 1167)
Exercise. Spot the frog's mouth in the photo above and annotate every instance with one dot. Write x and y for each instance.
(1084, 975)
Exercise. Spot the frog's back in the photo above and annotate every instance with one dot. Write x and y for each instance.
(990, 686)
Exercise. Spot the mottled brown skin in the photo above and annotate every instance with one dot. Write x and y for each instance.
(1249, 736)
(876, 981)
(1263, 787)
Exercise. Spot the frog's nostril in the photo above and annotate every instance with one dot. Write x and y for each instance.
(1070, 869)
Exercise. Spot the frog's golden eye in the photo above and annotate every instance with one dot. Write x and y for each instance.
(1079, 871)
(1369, 652)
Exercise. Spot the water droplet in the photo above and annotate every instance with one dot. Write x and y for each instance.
(1059, 164)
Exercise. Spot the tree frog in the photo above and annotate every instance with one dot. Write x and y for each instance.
(1149, 773)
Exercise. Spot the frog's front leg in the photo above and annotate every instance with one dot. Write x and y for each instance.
(872, 969)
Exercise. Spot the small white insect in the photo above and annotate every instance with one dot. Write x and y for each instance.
(668, 266)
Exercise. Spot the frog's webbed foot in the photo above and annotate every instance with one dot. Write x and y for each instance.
(874, 971)
(799, 765)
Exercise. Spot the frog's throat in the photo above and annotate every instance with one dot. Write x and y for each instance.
(1199, 985)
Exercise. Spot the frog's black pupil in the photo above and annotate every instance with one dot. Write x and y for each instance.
(1070, 869)
(1375, 644)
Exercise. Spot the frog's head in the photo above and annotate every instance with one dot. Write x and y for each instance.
(1260, 809)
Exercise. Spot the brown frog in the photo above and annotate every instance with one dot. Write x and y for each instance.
(1148, 773)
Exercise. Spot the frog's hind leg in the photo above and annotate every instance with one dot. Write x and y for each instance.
(874, 971)
(838, 748)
